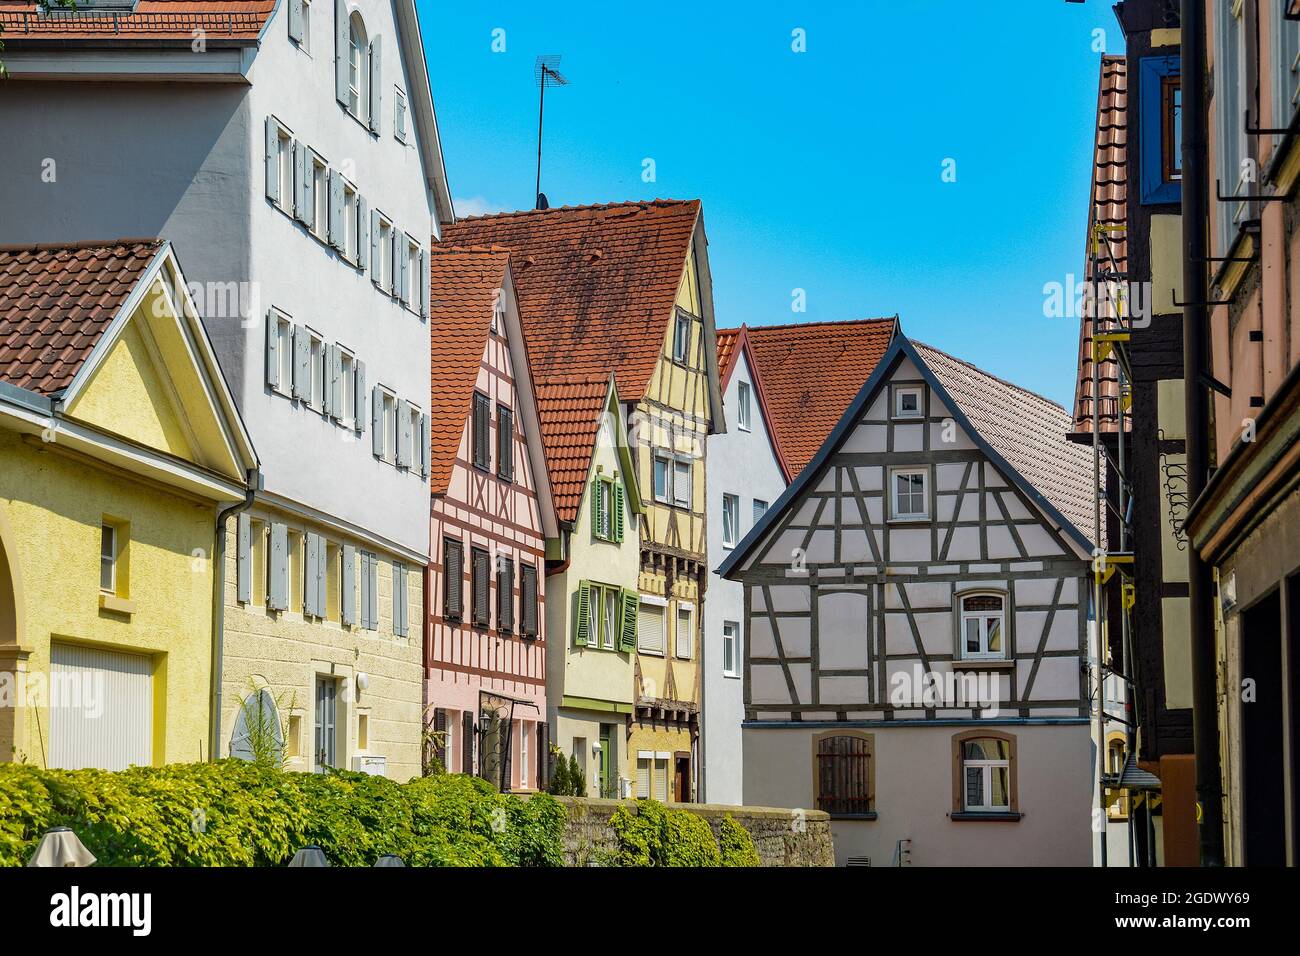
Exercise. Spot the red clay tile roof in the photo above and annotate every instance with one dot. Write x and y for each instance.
(463, 286)
(1108, 207)
(570, 408)
(1026, 429)
(56, 301)
(150, 20)
(596, 284)
(810, 373)
(727, 340)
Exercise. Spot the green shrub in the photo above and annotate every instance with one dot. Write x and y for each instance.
(688, 841)
(736, 844)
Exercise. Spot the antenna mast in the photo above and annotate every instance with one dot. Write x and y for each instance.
(546, 73)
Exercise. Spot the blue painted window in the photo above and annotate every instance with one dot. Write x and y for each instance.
(1161, 117)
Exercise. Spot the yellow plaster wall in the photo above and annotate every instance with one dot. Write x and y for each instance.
(54, 504)
(657, 738)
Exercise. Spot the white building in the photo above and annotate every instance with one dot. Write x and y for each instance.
(289, 152)
(746, 474)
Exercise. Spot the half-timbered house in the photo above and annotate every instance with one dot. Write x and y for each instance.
(915, 608)
(485, 649)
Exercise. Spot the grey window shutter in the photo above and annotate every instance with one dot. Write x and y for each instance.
(341, 51)
(301, 363)
(395, 279)
(244, 559)
(365, 590)
(359, 395)
(404, 289)
(425, 446)
(399, 585)
(336, 223)
(403, 433)
(279, 596)
(348, 600)
(426, 283)
(272, 349)
(374, 593)
(301, 188)
(376, 81)
(327, 391)
(295, 20)
(363, 230)
(376, 258)
(272, 160)
(336, 384)
(309, 584)
(322, 576)
(377, 421)
(399, 117)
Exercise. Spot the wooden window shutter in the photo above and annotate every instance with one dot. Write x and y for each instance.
(301, 363)
(376, 254)
(506, 594)
(358, 384)
(440, 741)
(597, 523)
(403, 433)
(467, 742)
(279, 564)
(402, 261)
(348, 600)
(425, 446)
(627, 629)
(373, 585)
(365, 590)
(322, 576)
(528, 599)
(399, 599)
(295, 20)
(618, 511)
(363, 231)
(376, 81)
(341, 37)
(480, 428)
(301, 183)
(543, 756)
(272, 349)
(336, 383)
(582, 619)
(327, 386)
(272, 160)
(334, 228)
(482, 569)
(244, 559)
(309, 605)
(505, 443)
(377, 421)
(453, 573)
(395, 278)
(426, 285)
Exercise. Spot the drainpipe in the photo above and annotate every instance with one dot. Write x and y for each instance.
(1205, 728)
(219, 610)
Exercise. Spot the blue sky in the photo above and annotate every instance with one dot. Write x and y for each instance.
(819, 170)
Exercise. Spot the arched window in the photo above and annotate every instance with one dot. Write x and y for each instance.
(358, 68)
(981, 626)
(844, 774)
(984, 775)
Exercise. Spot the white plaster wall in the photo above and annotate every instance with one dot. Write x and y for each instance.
(740, 463)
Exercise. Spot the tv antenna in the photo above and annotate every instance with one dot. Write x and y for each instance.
(546, 72)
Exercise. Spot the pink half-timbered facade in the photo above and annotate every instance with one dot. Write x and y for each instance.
(490, 515)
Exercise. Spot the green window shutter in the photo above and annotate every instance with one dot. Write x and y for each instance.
(627, 630)
(618, 511)
(582, 620)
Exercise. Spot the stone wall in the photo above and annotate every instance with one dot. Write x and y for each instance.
(782, 837)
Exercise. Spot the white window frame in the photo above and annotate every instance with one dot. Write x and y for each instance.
(680, 500)
(650, 600)
(730, 520)
(415, 280)
(986, 768)
(687, 608)
(284, 354)
(284, 166)
(667, 462)
(523, 755)
(317, 358)
(903, 390)
(108, 556)
(744, 399)
(388, 419)
(895, 513)
(305, 43)
(320, 196)
(386, 263)
(351, 224)
(982, 619)
(682, 337)
(347, 365)
(731, 641)
(609, 597)
(358, 62)
(416, 436)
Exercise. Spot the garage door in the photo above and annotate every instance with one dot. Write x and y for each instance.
(101, 708)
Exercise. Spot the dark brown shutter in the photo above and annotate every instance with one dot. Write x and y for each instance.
(506, 594)
(482, 421)
(505, 443)
(482, 586)
(467, 743)
(528, 599)
(453, 572)
(508, 745)
(440, 726)
(543, 754)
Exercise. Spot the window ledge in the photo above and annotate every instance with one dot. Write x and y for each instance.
(986, 816)
(910, 519)
(869, 816)
(983, 665)
(118, 605)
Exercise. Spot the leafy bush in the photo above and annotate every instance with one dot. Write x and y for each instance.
(238, 813)
(736, 844)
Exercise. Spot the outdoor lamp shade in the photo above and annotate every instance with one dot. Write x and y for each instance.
(390, 859)
(60, 847)
(309, 856)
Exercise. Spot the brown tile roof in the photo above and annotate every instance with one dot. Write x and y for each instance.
(150, 20)
(596, 284)
(570, 408)
(57, 300)
(463, 286)
(810, 373)
(1108, 211)
(1027, 430)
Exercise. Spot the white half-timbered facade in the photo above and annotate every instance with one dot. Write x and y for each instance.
(915, 611)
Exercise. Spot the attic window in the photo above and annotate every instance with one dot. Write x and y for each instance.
(908, 401)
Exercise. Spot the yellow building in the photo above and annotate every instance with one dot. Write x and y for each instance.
(625, 288)
(120, 448)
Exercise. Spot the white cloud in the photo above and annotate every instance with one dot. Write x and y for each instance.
(475, 206)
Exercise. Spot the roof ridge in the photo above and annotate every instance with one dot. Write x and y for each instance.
(79, 244)
(822, 323)
(996, 378)
(624, 203)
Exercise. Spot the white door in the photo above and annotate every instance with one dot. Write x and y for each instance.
(101, 708)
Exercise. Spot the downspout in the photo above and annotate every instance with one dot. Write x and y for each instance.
(1205, 728)
(219, 610)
